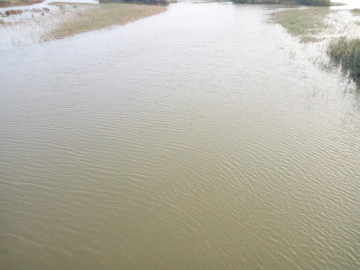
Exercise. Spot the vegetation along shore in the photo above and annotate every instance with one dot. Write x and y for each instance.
(10, 3)
(323, 24)
(95, 17)
(345, 53)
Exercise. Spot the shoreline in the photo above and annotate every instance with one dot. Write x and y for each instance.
(60, 20)
(100, 16)
(6, 4)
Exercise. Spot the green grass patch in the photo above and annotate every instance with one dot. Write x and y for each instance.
(103, 15)
(303, 23)
(346, 54)
(356, 12)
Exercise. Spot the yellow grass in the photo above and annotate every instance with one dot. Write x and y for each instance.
(100, 16)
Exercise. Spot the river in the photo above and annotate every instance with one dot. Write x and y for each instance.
(201, 138)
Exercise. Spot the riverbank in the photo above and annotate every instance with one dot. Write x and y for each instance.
(57, 20)
(95, 17)
(12, 3)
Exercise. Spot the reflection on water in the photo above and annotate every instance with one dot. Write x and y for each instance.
(345, 4)
(201, 138)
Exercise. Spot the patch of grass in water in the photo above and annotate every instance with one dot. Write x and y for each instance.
(345, 53)
(96, 17)
(356, 12)
(308, 39)
(303, 23)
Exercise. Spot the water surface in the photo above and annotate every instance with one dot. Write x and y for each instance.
(201, 138)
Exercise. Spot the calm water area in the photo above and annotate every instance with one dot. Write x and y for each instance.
(204, 137)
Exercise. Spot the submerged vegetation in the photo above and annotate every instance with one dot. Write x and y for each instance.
(346, 54)
(303, 23)
(298, 2)
(100, 16)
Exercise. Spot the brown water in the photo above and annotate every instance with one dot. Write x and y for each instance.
(201, 138)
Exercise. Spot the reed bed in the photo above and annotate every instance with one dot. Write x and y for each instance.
(345, 53)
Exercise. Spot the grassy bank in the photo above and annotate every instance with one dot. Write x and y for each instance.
(101, 16)
(297, 2)
(303, 23)
(346, 54)
(10, 3)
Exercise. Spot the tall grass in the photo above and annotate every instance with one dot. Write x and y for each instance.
(299, 2)
(346, 54)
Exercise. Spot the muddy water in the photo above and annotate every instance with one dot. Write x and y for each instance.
(201, 138)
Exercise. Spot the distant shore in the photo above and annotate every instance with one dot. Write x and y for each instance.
(16, 3)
